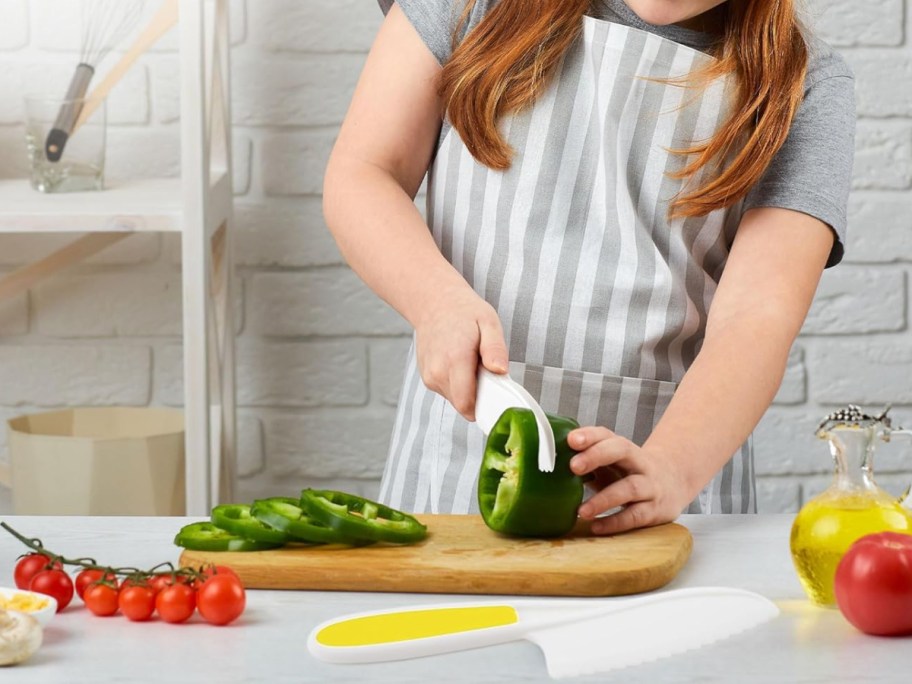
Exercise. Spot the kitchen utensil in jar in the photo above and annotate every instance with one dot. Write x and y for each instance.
(105, 23)
(159, 25)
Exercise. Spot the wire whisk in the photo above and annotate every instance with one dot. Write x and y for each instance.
(105, 23)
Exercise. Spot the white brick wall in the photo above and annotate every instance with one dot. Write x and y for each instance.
(319, 357)
(55, 375)
(14, 29)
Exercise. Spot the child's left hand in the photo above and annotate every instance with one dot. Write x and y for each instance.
(651, 488)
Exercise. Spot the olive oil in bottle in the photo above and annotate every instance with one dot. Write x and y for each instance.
(826, 529)
(852, 507)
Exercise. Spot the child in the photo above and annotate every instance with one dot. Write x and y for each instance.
(630, 205)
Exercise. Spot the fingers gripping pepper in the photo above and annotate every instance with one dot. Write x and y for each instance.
(514, 496)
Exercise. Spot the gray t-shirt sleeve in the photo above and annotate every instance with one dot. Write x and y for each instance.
(812, 172)
(436, 21)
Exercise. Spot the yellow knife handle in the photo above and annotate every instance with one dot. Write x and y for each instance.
(402, 634)
(409, 625)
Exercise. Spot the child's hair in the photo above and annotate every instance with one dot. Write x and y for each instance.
(507, 60)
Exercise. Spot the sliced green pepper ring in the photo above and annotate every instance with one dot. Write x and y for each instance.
(236, 518)
(514, 496)
(285, 513)
(354, 516)
(204, 536)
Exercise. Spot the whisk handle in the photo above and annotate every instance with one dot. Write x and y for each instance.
(69, 112)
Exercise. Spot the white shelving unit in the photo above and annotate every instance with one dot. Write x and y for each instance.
(198, 205)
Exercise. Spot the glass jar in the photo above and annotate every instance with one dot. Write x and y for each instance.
(851, 507)
(63, 158)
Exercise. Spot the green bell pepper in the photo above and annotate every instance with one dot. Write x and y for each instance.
(285, 513)
(236, 518)
(514, 496)
(358, 518)
(204, 536)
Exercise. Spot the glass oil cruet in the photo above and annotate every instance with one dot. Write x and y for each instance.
(853, 505)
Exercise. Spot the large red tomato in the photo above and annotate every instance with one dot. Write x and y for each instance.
(874, 584)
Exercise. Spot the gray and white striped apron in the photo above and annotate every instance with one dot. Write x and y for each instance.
(603, 300)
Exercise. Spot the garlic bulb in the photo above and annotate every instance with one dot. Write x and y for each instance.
(20, 637)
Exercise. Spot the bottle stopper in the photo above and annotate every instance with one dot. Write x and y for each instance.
(853, 416)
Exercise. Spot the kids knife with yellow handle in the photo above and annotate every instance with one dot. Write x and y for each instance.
(577, 636)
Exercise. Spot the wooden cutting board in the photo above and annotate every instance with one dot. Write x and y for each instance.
(462, 556)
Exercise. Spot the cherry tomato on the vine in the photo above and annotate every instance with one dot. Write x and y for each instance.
(90, 576)
(101, 599)
(54, 583)
(176, 603)
(30, 565)
(221, 599)
(159, 582)
(136, 602)
(134, 582)
(211, 570)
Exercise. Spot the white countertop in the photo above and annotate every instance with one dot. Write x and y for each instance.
(267, 644)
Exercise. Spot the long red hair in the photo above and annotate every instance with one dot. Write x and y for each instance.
(506, 61)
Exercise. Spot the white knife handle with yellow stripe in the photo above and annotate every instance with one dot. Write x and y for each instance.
(401, 634)
(572, 633)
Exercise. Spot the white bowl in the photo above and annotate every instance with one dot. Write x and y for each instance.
(43, 615)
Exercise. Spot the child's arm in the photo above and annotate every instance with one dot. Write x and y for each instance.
(380, 157)
(762, 300)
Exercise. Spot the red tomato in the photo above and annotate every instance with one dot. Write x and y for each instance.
(87, 577)
(176, 603)
(159, 582)
(134, 582)
(136, 602)
(221, 599)
(101, 599)
(874, 584)
(54, 583)
(210, 570)
(29, 566)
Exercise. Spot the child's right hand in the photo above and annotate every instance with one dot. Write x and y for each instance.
(450, 340)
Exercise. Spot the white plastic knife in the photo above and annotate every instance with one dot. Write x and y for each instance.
(577, 636)
(497, 393)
